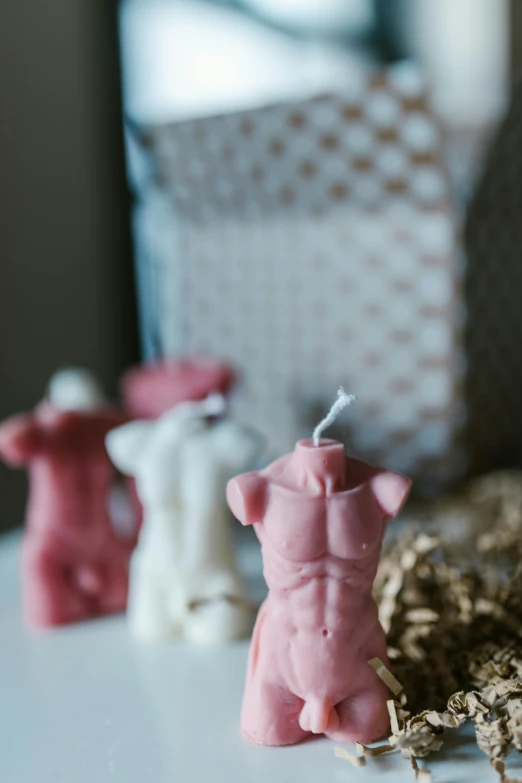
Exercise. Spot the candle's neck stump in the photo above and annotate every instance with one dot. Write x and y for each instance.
(320, 469)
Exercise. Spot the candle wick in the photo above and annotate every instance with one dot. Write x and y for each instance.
(342, 401)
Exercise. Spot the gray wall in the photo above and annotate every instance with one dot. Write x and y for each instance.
(516, 40)
(66, 282)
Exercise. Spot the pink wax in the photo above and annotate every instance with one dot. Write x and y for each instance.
(320, 517)
(74, 566)
(150, 390)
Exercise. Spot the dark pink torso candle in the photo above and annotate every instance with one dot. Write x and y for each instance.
(74, 565)
(152, 389)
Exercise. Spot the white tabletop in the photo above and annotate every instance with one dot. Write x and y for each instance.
(85, 704)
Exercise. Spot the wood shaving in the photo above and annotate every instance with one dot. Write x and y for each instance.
(394, 719)
(365, 750)
(452, 611)
(356, 761)
(386, 675)
(422, 774)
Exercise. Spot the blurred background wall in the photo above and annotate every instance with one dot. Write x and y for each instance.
(66, 272)
(66, 280)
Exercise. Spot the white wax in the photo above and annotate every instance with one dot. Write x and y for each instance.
(183, 577)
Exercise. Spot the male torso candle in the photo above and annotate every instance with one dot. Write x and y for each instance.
(320, 517)
(74, 566)
(183, 576)
(150, 390)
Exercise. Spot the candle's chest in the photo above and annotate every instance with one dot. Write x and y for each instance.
(69, 497)
(300, 527)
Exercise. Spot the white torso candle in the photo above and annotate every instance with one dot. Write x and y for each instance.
(183, 577)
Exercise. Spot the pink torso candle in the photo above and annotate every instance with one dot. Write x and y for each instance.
(150, 390)
(74, 565)
(320, 518)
